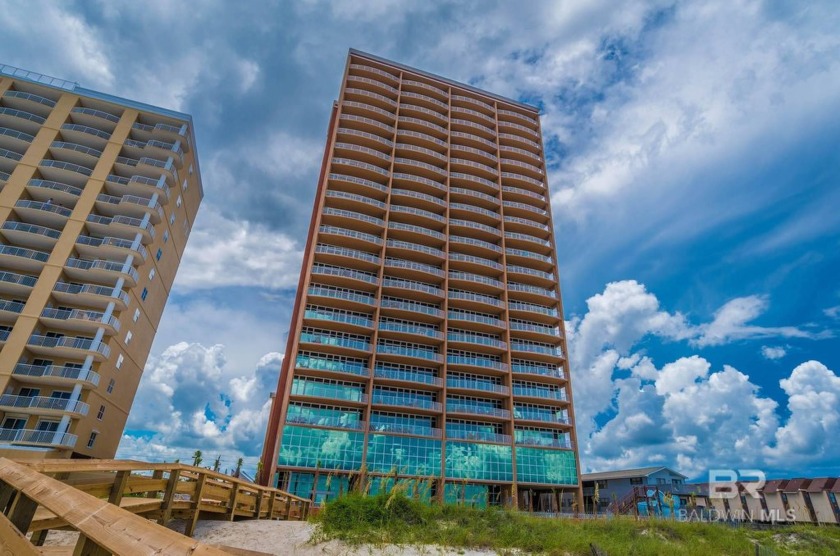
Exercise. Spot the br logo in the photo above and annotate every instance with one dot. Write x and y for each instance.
(723, 483)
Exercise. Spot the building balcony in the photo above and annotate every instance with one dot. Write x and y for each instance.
(21, 120)
(161, 131)
(514, 178)
(14, 140)
(540, 415)
(9, 310)
(526, 225)
(326, 422)
(139, 186)
(4, 178)
(515, 153)
(406, 268)
(345, 277)
(477, 436)
(392, 329)
(56, 375)
(327, 339)
(468, 340)
(77, 154)
(109, 248)
(79, 320)
(41, 439)
(536, 369)
(511, 139)
(124, 227)
(156, 149)
(477, 214)
(511, 193)
(430, 171)
(340, 256)
(85, 135)
(411, 85)
(419, 291)
(415, 251)
(407, 429)
(395, 399)
(461, 100)
(459, 123)
(147, 166)
(419, 200)
(354, 202)
(94, 118)
(408, 351)
(474, 246)
(100, 271)
(468, 407)
(350, 238)
(531, 275)
(405, 308)
(470, 181)
(352, 184)
(483, 170)
(470, 114)
(418, 216)
(525, 210)
(477, 282)
(543, 441)
(539, 350)
(366, 124)
(468, 299)
(352, 219)
(129, 206)
(539, 393)
(474, 229)
(29, 102)
(422, 154)
(420, 183)
(479, 321)
(527, 241)
(90, 295)
(363, 154)
(535, 330)
(471, 263)
(16, 284)
(326, 392)
(531, 311)
(342, 320)
(420, 139)
(30, 235)
(517, 166)
(423, 112)
(368, 110)
(64, 172)
(423, 126)
(425, 99)
(43, 213)
(352, 298)
(365, 82)
(526, 292)
(407, 375)
(416, 234)
(370, 97)
(20, 258)
(42, 405)
(470, 196)
(361, 69)
(475, 361)
(526, 131)
(459, 383)
(530, 121)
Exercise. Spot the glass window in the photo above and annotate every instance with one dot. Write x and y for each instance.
(101, 413)
(489, 462)
(159, 254)
(405, 454)
(144, 294)
(136, 315)
(92, 439)
(111, 384)
(332, 449)
(535, 465)
(120, 357)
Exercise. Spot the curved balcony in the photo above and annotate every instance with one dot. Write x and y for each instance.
(511, 139)
(474, 229)
(419, 290)
(414, 233)
(476, 246)
(338, 319)
(535, 331)
(16, 284)
(523, 155)
(406, 373)
(313, 363)
(467, 138)
(472, 212)
(513, 239)
(44, 213)
(404, 400)
(414, 251)
(527, 292)
(482, 170)
(475, 116)
(14, 140)
(333, 254)
(428, 113)
(433, 186)
(473, 102)
(4, 177)
(366, 124)
(531, 170)
(476, 407)
(362, 153)
(100, 271)
(64, 172)
(345, 277)
(530, 120)
(422, 217)
(21, 120)
(166, 131)
(154, 149)
(539, 392)
(470, 196)
(536, 369)
(368, 110)
(94, 118)
(109, 247)
(147, 166)
(330, 341)
(477, 436)
(365, 138)
(30, 235)
(480, 321)
(410, 84)
(524, 210)
(425, 99)
(60, 193)
(540, 414)
(352, 184)
(139, 186)
(526, 131)
(422, 153)
(369, 97)
(360, 299)
(90, 295)
(20, 258)
(366, 81)
(519, 256)
(67, 347)
(319, 421)
(34, 437)
(421, 200)
(29, 102)
(398, 428)
(9, 310)
(514, 223)
(469, 361)
(469, 299)
(430, 170)
(124, 227)
(422, 125)
(42, 405)
(79, 320)
(473, 263)
(406, 308)
(352, 219)
(520, 179)
(75, 153)
(475, 383)
(543, 278)
(472, 339)
(361, 68)
(56, 375)
(405, 350)
(477, 282)
(398, 328)
(360, 168)
(479, 156)
(541, 349)
(404, 267)
(351, 238)
(351, 201)
(468, 126)
(85, 135)
(423, 139)
(531, 311)
(516, 193)
(343, 393)
(469, 180)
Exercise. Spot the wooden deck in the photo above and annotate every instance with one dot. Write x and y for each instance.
(119, 507)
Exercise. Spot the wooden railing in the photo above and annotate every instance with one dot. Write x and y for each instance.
(59, 494)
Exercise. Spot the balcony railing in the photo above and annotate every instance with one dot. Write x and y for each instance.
(406, 305)
(472, 384)
(85, 344)
(96, 113)
(399, 428)
(15, 134)
(22, 279)
(11, 306)
(42, 402)
(30, 97)
(22, 115)
(325, 421)
(24, 253)
(409, 351)
(99, 264)
(411, 265)
(480, 436)
(461, 257)
(79, 314)
(475, 361)
(477, 278)
(57, 371)
(476, 409)
(406, 375)
(389, 282)
(46, 207)
(69, 166)
(466, 337)
(390, 326)
(32, 229)
(38, 437)
(405, 401)
(539, 392)
(336, 293)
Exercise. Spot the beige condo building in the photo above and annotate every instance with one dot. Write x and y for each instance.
(97, 198)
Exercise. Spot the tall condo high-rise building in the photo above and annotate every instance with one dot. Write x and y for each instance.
(427, 336)
(98, 195)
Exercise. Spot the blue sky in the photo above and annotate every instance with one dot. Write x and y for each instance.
(694, 154)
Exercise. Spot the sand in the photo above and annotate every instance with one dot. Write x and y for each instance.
(284, 538)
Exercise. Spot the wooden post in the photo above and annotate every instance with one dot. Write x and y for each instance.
(22, 511)
(86, 547)
(6, 494)
(196, 505)
(288, 515)
(39, 537)
(234, 491)
(117, 491)
(169, 496)
(272, 502)
(259, 503)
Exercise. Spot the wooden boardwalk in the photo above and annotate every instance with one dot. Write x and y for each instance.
(119, 507)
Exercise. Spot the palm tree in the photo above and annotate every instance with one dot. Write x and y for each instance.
(197, 458)
(217, 463)
(238, 469)
(259, 470)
